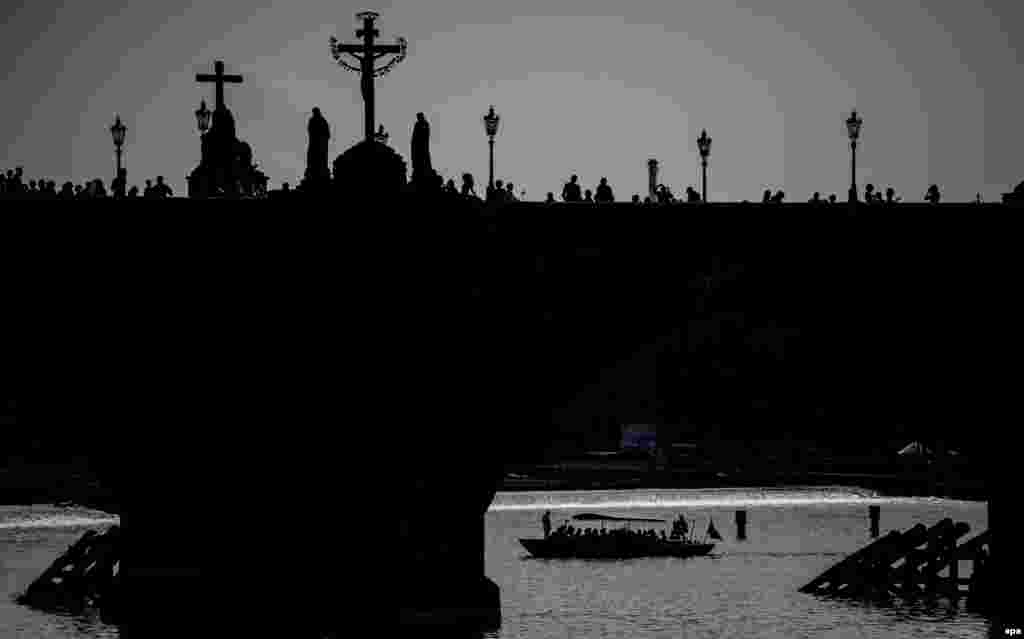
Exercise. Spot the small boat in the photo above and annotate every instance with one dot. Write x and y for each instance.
(617, 544)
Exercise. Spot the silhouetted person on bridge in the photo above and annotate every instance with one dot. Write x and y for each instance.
(133, 193)
(162, 190)
(510, 194)
(766, 197)
(588, 197)
(816, 198)
(636, 199)
(120, 184)
(147, 192)
(665, 195)
(550, 199)
(692, 195)
(468, 187)
(932, 195)
(98, 189)
(778, 197)
(604, 192)
(832, 199)
(869, 193)
(571, 190)
(450, 188)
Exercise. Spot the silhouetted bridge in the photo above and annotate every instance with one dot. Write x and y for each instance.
(253, 361)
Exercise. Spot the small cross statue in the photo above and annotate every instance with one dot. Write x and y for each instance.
(218, 78)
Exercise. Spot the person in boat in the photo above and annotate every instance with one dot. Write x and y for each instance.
(679, 527)
(546, 523)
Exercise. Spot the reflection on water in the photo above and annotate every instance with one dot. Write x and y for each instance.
(744, 589)
(790, 496)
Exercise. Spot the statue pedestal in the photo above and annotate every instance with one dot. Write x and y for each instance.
(431, 183)
(234, 176)
(370, 168)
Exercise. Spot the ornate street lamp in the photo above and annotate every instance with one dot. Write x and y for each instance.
(704, 146)
(203, 117)
(853, 124)
(491, 122)
(117, 131)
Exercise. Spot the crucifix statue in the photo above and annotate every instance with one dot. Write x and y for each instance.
(367, 53)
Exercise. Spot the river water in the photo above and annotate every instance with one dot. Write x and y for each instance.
(745, 589)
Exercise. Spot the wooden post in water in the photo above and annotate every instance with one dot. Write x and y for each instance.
(874, 512)
(834, 573)
(741, 525)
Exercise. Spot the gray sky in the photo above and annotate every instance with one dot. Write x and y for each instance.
(580, 87)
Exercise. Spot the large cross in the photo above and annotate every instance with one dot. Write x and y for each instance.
(218, 78)
(367, 53)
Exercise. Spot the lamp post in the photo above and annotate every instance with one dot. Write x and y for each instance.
(652, 179)
(198, 181)
(203, 118)
(117, 131)
(704, 146)
(853, 124)
(491, 121)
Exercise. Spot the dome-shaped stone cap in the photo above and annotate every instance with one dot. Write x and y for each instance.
(373, 161)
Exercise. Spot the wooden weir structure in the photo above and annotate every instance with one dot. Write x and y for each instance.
(917, 561)
(86, 575)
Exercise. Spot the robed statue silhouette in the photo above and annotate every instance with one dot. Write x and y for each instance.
(221, 147)
(316, 153)
(422, 172)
